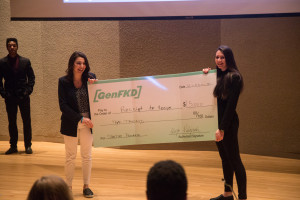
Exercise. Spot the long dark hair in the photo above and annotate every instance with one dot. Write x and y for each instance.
(224, 81)
(70, 68)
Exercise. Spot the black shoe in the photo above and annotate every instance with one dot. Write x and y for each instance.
(87, 193)
(28, 150)
(221, 197)
(11, 151)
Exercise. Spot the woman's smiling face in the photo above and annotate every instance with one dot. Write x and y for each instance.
(79, 65)
(220, 60)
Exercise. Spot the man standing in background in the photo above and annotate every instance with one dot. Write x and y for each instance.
(19, 80)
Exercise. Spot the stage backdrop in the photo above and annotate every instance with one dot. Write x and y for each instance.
(265, 48)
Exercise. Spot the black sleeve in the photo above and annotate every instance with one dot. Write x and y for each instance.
(232, 101)
(65, 103)
(31, 78)
(2, 91)
(92, 75)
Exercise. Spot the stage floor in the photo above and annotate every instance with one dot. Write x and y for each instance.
(120, 174)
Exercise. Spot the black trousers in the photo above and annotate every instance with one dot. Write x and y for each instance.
(12, 105)
(232, 163)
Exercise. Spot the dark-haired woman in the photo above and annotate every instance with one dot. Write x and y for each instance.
(75, 118)
(228, 89)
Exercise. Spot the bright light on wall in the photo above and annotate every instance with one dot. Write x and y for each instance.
(113, 1)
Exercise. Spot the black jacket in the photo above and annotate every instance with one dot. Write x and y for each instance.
(69, 106)
(16, 84)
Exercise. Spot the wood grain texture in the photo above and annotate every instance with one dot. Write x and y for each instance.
(120, 174)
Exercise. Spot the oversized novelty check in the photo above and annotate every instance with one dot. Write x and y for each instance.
(154, 109)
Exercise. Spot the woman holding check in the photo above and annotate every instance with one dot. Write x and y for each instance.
(228, 89)
(75, 118)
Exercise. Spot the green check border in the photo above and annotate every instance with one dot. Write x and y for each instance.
(155, 77)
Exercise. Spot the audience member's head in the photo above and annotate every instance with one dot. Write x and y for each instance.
(50, 188)
(167, 181)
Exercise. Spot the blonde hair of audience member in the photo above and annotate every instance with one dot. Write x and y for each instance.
(50, 188)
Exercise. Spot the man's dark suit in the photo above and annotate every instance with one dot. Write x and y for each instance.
(19, 80)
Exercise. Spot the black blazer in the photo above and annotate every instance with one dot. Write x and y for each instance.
(69, 106)
(19, 84)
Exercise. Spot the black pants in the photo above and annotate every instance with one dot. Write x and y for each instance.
(232, 163)
(12, 109)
